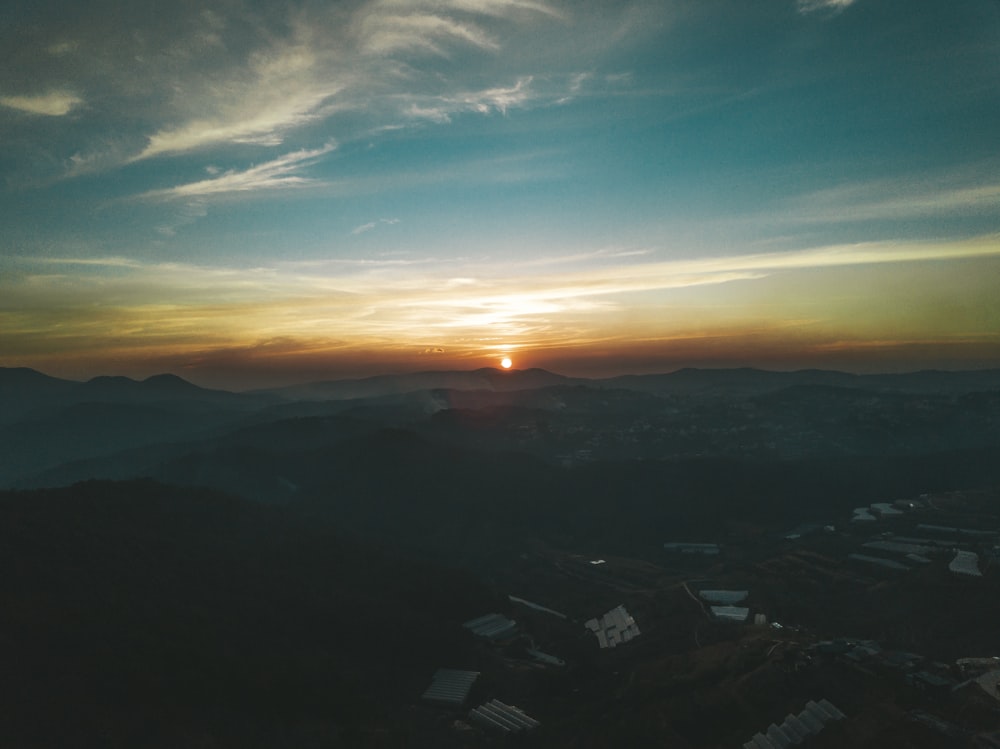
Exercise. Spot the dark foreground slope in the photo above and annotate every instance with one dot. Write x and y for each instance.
(136, 615)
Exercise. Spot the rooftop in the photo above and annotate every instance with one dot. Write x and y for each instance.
(491, 626)
(730, 613)
(965, 563)
(502, 717)
(614, 628)
(450, 686)
(723, 596)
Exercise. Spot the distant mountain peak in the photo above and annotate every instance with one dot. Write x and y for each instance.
(170, 380)
(25, 374)
(110, 379)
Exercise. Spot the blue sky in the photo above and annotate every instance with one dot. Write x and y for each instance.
(246, 193)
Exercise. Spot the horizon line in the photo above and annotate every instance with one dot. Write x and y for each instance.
(504, 373)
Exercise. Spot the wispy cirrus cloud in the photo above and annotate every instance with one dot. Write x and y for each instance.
(260, 113)
(392, 303)
(389, 26)
(563, 280)
(284, 81)
(262, 127)
(332, 62)
(372, 224)
(811, 6)
(51, 104)
(429, 26)
(231, 76)
(189, 213)
(420, 32)
(110, 261)
(898, 199)
(442, 108)
(380, 313)
(281, 173)
(485, 7)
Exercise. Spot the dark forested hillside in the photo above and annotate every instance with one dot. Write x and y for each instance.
(135, 614)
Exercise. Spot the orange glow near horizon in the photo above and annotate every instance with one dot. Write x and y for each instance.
(834, 307)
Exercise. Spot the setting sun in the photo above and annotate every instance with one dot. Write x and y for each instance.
(506, 362)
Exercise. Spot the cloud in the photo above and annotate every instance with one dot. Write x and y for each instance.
(811, 6)
(387, 34)
(52, 104)
(99, 262)
(265, 126)
(285, 76)
(332, 62)
(262, 76)
(441, 108)
(277, 174)
(380, 300)
(136, 311)
(372, 224)
(898, 199)
(485, 7)
(389, 26)
(499, 98)
(189, 213)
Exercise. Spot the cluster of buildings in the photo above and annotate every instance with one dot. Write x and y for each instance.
(613, 628)
(908, 551)
(913, 668)
(617, 627)
(451, 687)
(879, 510)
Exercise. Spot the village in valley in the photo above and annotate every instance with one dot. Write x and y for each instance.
(875, 623)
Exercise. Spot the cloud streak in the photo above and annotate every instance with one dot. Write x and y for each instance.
(372, 224)
(895, 200)
(812, 6)
(232, 78)
(333, 63)
(52, 104)
(278, 174)
(381, 305)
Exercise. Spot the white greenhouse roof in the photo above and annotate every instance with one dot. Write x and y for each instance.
(965, 563)
(450, 686)
(724, 596)
(730, 613)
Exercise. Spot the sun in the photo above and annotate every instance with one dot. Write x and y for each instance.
(506, 362)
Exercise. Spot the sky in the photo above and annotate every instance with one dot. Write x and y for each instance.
(259, 193)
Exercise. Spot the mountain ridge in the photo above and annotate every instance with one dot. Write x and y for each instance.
(688, 379)
(492, 378)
